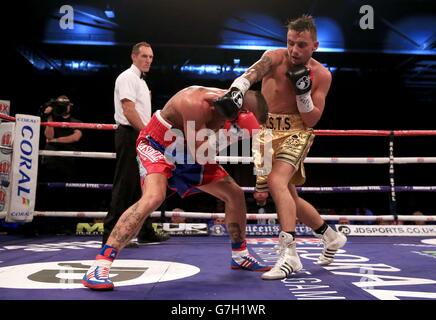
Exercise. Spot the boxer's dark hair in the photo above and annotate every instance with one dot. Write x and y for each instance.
(304, 23)
(135, 48)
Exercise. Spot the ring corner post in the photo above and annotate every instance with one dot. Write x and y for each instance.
(24, 169)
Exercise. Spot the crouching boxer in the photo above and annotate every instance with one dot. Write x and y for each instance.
(161, 166)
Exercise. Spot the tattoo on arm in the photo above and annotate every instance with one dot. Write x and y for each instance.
(258, 70)
(235, 232)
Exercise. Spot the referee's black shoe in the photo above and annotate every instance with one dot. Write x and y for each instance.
(153, 236)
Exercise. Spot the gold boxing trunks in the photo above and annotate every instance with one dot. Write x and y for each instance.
(290, 142)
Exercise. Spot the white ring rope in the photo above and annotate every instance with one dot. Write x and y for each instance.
(78, 154)
(223, 159)
(208, 215)
(248, 160)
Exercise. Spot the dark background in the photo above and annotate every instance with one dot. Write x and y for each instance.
(382, 79)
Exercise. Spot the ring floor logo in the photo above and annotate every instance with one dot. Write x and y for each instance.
(429, 241)
(68, 274)
(361, 274)
(430, 248)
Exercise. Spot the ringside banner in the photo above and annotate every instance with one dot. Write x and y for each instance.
(185, 229)
(24, 168)
(6, 130)
(387, 230)
(5, 106)
(216, 229)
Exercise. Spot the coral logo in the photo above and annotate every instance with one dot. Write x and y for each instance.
(26, 149)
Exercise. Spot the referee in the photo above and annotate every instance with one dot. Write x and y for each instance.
(132, 112)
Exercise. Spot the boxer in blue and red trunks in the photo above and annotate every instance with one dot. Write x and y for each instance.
(167, 154)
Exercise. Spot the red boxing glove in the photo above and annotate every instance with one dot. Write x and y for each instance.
(247, 120)
(244, 120)
(227, 125)
(232, 127)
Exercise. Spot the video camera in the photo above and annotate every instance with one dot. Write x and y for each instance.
(59, 108)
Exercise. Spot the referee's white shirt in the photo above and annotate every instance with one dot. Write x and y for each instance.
(129, 85)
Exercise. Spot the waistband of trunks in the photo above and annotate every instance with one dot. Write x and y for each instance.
(160, 130)
(284, 122)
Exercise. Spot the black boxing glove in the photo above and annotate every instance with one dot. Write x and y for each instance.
(300, 78)
(229, 104)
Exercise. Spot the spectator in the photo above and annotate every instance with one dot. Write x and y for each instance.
(361, 211)
(419, 214)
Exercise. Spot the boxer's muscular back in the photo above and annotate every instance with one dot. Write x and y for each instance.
(192, 103)
(276, 87)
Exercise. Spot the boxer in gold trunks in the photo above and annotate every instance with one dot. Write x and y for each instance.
(295, 87)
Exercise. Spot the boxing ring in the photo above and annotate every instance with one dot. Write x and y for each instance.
(379, 262)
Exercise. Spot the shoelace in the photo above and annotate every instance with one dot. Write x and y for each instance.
(319, 236)
(102, 273)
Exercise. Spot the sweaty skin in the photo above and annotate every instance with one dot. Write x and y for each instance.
(195, 103)
(191, 104)
(280, 96)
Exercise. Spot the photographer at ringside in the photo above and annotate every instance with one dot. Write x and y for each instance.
(60, 169)
(57, 169)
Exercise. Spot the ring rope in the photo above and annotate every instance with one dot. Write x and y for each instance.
(208, 215)
(78, 154)
(231, 159)
(329, 132)
(375, 133)
(7, 117)
(334, 189)
(80, 125)
(339, 160)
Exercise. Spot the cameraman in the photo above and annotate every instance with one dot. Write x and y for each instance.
(59, 110)
(58, 169)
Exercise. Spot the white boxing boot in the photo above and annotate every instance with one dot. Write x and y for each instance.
(288, 261)
(333, 241)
